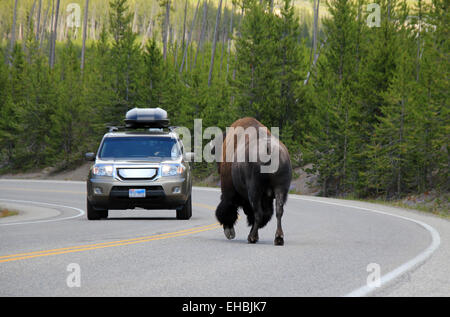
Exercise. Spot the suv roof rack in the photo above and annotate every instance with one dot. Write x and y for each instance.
(146, 118)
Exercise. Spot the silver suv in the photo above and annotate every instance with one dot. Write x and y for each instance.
(144, 166)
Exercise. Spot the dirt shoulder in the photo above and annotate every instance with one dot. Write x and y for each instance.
(76, 174)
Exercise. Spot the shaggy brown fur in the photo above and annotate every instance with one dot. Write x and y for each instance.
(244, 186)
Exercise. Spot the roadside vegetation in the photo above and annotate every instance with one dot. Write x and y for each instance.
(365, 108)
(436, 203)
(6, 212)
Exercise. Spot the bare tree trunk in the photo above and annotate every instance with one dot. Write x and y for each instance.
(20, 32)
(166, 29)
(230, 34)
(418, 42)
(213, 52)
(13, 29)
(83, 48)
(184, 25)
(316, 57)
(171, 36)
(399, 169)
(189, 37)
(202, 33)
(235, 56)
(175, 63)
(44, 26)
(55, 33)
(38, 20)
(30, 19)
(51, 33)
(93, 26)
(147, 32)
(62, 27)
(224, 36)
(315, 26)
(134, 27)
(28, 30)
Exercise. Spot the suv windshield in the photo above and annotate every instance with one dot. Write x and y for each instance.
(139, 147)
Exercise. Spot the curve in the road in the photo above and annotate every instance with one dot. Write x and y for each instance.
(361, 291)
(79, 211)
(402, 269)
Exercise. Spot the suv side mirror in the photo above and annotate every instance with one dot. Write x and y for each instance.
(90, 156)
(188, 156)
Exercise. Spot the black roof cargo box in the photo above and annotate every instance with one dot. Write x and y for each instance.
(146, 118)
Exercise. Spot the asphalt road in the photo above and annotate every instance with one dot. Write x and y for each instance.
(331, 248)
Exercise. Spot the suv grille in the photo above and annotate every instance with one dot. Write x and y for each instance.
(137, 173)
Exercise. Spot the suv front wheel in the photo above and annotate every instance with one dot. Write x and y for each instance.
(95, 214)
(185, 212)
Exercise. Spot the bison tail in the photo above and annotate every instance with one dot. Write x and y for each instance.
(226, 213)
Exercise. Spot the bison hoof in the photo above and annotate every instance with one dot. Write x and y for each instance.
(252, 239)
(229, 233)
(278, 241)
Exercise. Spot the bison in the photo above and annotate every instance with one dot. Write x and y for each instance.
(245, 185)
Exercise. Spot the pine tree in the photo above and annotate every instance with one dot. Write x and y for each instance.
(8, 118)
(153, 75)
(394, 130)
(126, 59)
(292, 69)
(334, 138)
(256, 85)
(70, 119)
(429, 156)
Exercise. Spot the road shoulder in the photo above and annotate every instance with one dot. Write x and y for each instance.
(429, 277)
(27, 213)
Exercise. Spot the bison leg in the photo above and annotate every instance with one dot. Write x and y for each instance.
(249, 213)
(226, 213)
(255, 202)
(279, 235)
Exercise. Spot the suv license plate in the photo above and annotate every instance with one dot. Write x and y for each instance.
(136, 193)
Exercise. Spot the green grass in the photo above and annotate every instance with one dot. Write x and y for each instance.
(6, 212)
(434, 209)
(439, 207)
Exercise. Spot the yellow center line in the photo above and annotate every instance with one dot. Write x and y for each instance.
(109, 245)
(105, 244)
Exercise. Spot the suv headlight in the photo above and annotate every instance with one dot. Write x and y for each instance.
(102, 170)
(172, 169)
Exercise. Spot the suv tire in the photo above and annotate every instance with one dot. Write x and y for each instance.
(185, 212)
(95, 214)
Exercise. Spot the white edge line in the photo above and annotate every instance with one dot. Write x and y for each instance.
(402, 269)
(80, 212)
(211, 189)
(40, 181)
